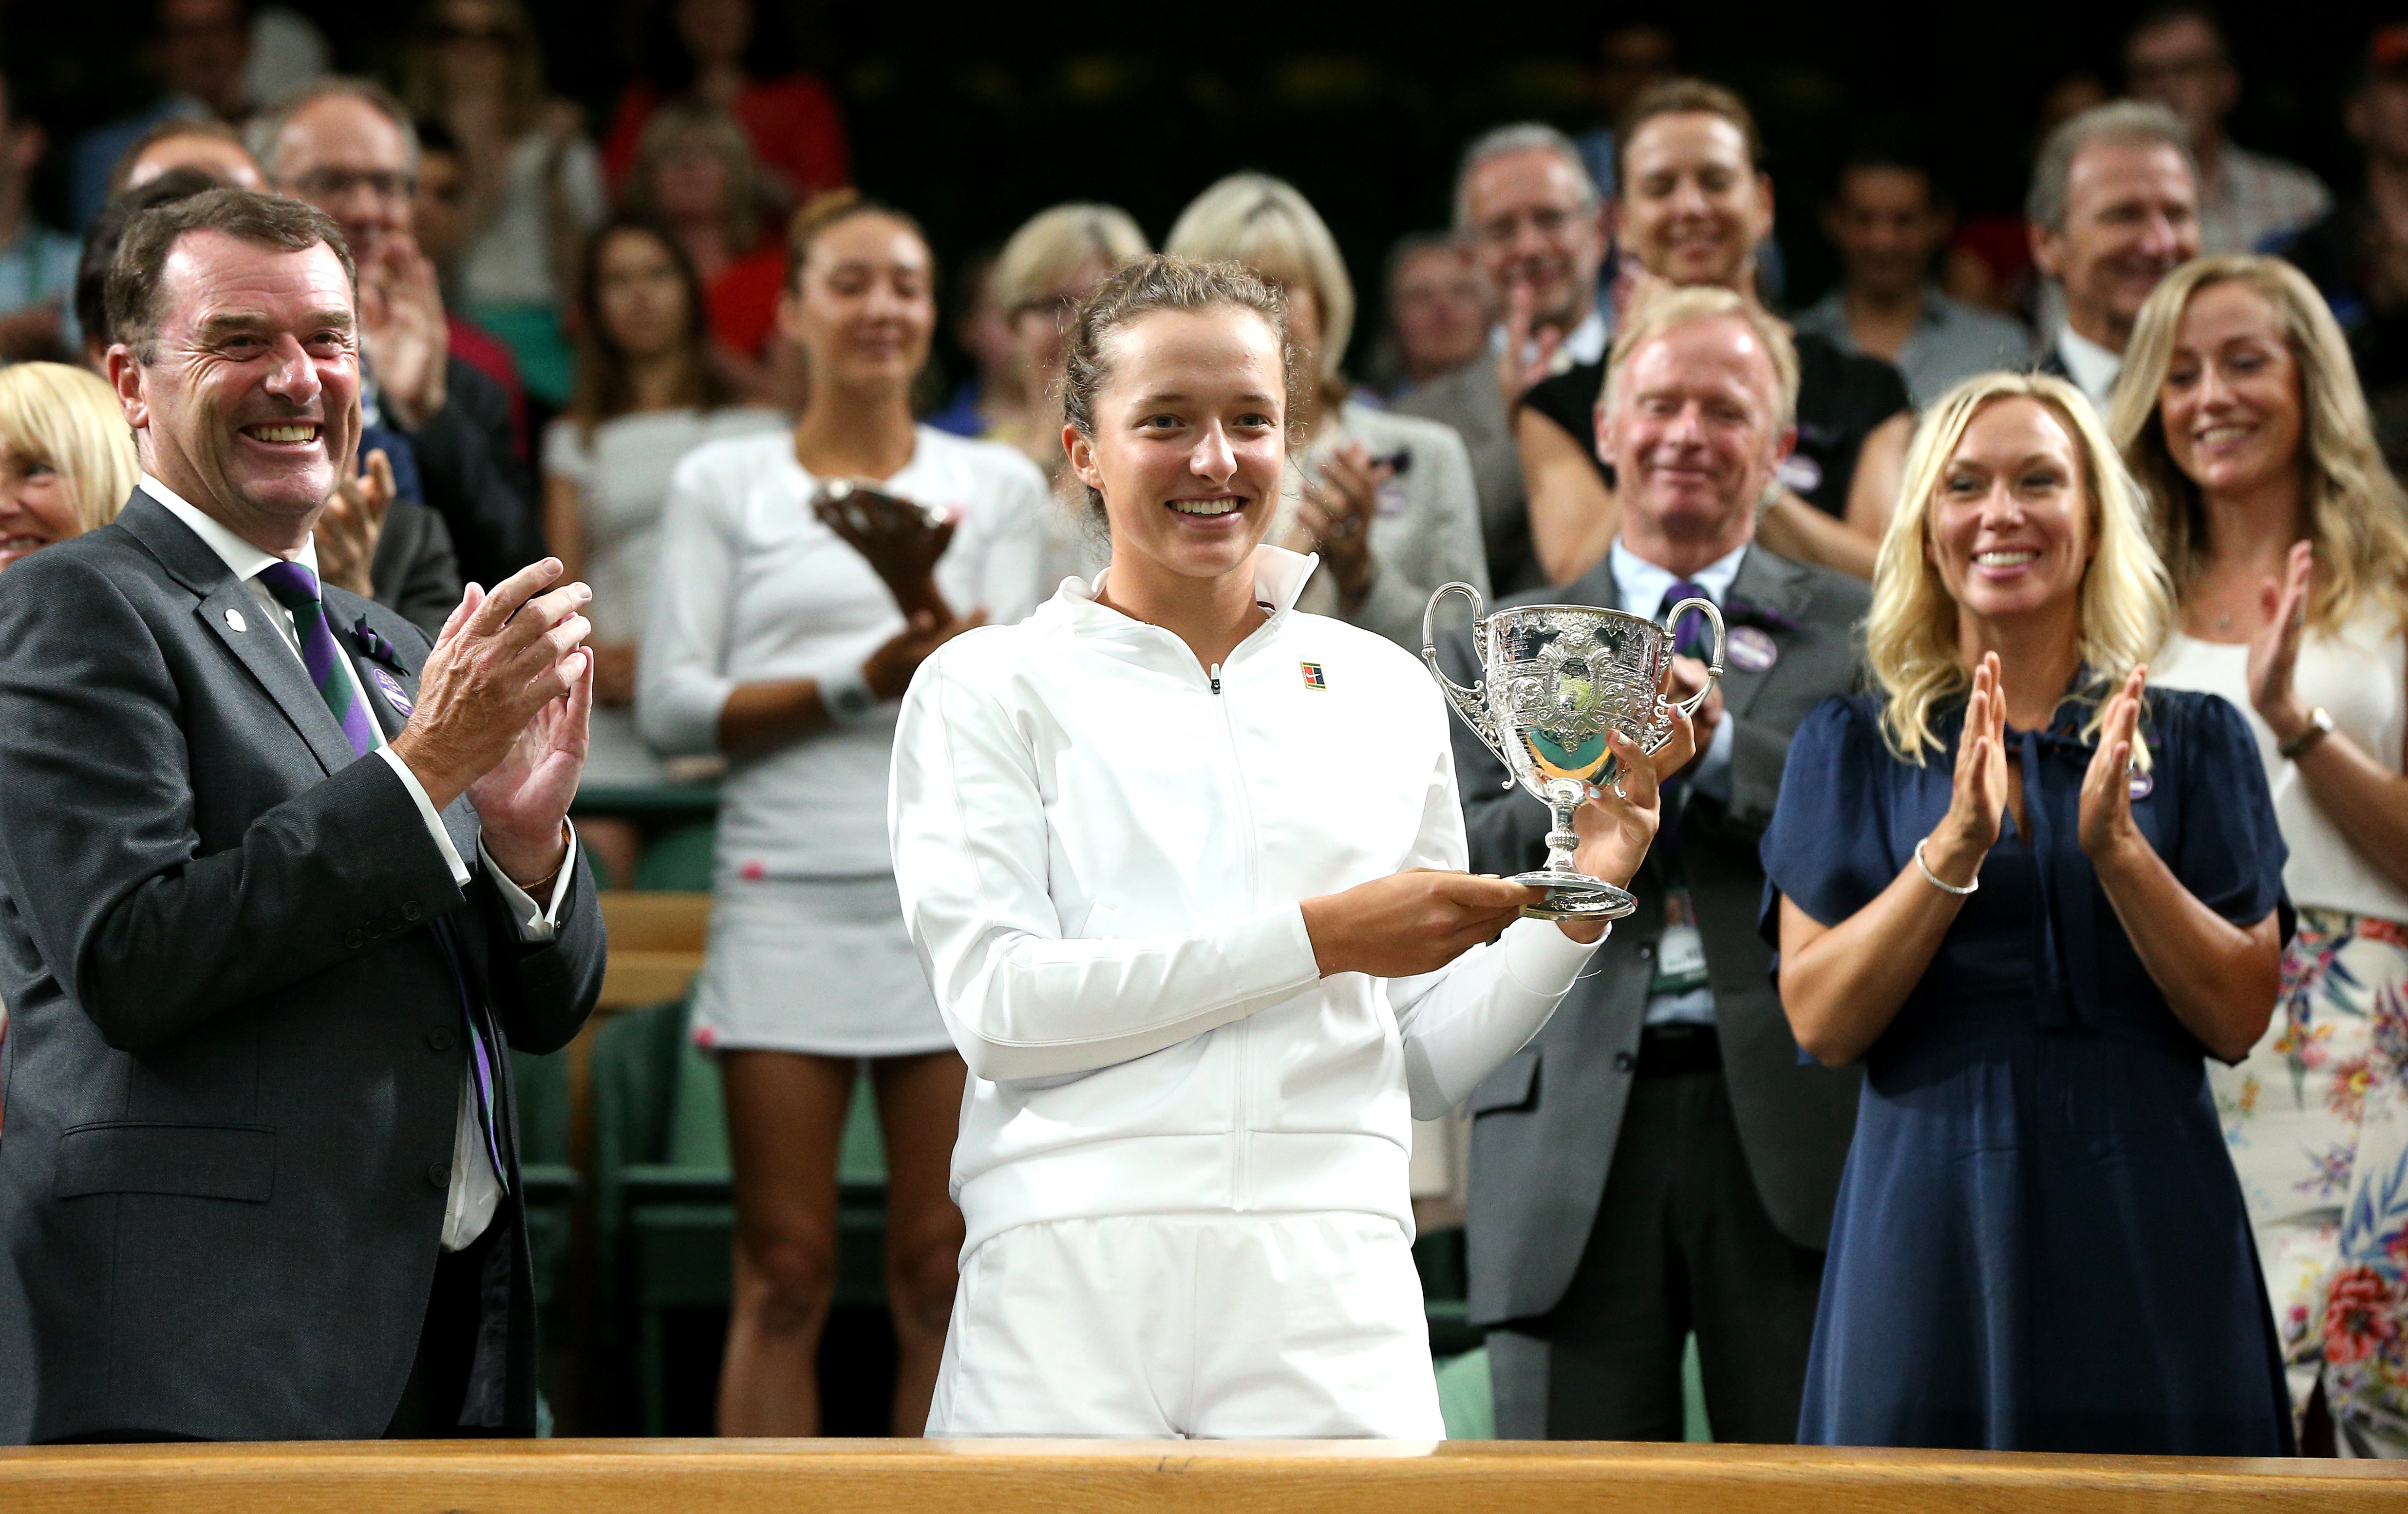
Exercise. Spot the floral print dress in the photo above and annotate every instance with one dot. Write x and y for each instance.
(2317, 1121)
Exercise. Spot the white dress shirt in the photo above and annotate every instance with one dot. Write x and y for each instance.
(476, 1192)
(2093, 367)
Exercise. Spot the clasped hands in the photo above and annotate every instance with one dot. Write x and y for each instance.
(1981, 787)
(502, 710)
(1419, 920)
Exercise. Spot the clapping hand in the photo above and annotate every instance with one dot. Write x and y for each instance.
(1336, 515)
(2274, 650)
(403, 331)
(1977, 803)
(2105, 822)
(901, 539)
(348, 528)
(1528, 355)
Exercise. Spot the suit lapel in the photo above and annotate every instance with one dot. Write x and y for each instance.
(1774, 583)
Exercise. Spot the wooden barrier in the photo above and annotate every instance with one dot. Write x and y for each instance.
(656, 941)
(909, 1476)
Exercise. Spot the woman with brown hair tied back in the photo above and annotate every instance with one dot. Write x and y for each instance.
(2240, 413)
(1185, 866)
(803, 575)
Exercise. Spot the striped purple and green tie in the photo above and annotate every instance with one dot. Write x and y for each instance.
(296, 589)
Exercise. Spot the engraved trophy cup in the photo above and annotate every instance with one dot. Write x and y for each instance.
(1555, 680)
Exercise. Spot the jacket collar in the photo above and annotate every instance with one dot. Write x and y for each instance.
(1280, 577)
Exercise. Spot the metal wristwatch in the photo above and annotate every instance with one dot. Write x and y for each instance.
(847, 696)
(2320, 726)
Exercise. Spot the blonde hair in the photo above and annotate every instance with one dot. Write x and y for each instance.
(1055, 243)
(2358, 516)
(1665, 307)
(1911, 636)
(1263, 222)
(68, 418)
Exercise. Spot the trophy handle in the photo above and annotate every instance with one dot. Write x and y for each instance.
(1471, 704)
(1715, 664)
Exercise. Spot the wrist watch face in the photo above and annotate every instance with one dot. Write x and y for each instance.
(852, 702)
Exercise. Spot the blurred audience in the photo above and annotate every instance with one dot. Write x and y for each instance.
(37, 264)
(1695, 205)
(694, 174)
(1386, 500)
(206, 146)
(1439, 313)
(1991, 263)
(2287, 539)
(1888, 220)
(708, 53)
(785, 647)
(2114, 207)
(347, 146)
(199, 50)
(2177, 57)
(66, 456)
(649, 390)
(1045, 271)
(2033, 916)
(983, 332)
(534, 182)
(439, 220)
(1671, 1168)
(1527, 206)
(1633, 57)
(2357, 253)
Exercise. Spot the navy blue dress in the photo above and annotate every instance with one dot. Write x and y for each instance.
(2040, 1244)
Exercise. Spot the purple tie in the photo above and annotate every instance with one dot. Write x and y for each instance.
(1693, 637)
(296, 589)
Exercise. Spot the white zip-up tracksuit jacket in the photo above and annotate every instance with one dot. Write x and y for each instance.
(1103, 848)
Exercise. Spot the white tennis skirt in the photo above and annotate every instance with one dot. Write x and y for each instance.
(816, 965)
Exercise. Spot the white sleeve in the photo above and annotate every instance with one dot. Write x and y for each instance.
(680, 679)
(1461, 1022)
(970, 838)
(997, 562)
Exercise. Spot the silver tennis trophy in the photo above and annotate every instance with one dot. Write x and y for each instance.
(1555, 679)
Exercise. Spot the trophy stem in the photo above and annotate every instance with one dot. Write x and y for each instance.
(1563, 841)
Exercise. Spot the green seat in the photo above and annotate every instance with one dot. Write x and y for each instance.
(679, 860)
(667, 1215)
(548, 1182)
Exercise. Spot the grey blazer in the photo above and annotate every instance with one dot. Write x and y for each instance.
(235, 1054)
(1466, 400)
(1544, 1124)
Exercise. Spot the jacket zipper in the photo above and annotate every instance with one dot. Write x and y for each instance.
(1241, 1128)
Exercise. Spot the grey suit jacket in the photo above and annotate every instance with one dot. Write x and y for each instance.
(1466, 400)
(235, 1054)
(1544, 1125)
(414, 572)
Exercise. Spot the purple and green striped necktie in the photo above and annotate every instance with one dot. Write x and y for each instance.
(296, 589)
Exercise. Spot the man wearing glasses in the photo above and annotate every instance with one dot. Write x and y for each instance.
(1536, 224)
(2175, 57)
(346, 146)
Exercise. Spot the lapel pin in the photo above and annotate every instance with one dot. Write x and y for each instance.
(394, 693)
(1750, 650)
(235, 623)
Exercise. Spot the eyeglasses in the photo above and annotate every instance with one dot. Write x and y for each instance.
(336, 183)
(1547, 221)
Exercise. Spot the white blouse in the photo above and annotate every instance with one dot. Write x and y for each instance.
(753, 588)
(2360, 678)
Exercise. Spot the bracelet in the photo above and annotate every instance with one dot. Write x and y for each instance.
(2320, 726)
(847, 696)
(1939, 883)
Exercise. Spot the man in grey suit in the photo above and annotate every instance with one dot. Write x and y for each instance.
(279, 887)
(1524, 204)
(1659, 1159)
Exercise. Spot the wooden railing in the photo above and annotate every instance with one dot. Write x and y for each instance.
(906, 1477)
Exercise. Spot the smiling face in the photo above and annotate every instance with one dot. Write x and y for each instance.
(1887, 228)
(2131, 217)
(864, 308)
(2231, 401)
(1694, 433)
(1190, 438)
(248, 402)
(2010, 530)
(1441, 310)
(38, 505)
(346, 158)
(1692, 207)
(1534, 221)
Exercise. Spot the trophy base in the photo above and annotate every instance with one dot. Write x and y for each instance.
(1573, 896)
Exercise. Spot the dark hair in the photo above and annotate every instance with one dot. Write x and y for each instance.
(1161, 282)
(1684, 97)
(824, 212)
(1888, 152)
(435, 136)
(107, 229)
(2158, 17)
(605, 390)
(264, 219)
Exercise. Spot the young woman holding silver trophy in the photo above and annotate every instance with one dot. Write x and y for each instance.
(2034, 897)
(1184, 866)
(804, 574)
